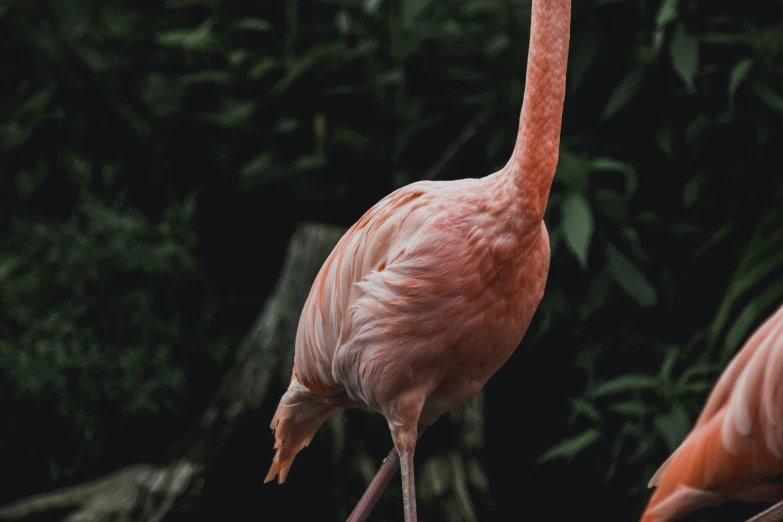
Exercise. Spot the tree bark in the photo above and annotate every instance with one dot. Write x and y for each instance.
(151, 493)
(451, 479)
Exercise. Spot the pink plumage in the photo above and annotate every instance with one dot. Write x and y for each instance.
(736, 446)
(432, 290)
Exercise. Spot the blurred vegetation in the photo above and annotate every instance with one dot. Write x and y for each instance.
(153, 164)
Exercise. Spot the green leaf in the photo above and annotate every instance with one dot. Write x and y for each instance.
(643, 449)
(625, 383)
(256, 166)
(13, 135)
(668, 362)
(577, 225)
(696, 127)
(630, 278)
(496, 44)
(692, 188)
(569, 448)
(758, 256)
(7, 266)
(738, 73)
(412, 9)
(253, 24)
(770, 97)
(612, 165)
(673, 426)
(36, 103)
(666, 13)
(343, 22)
(573, 171)
(199, 38)
(586, 408)
(736, 334)
(767, 241)
(617, 447)
(696, 370)
(755, 275)
(234, 113)
(698, 378)
(119, 21)
(393, 76)
(258, 171)
(714, 239)
(216, 77)
(612, 204)
(259, 69)
(287, 125)
(631, 408)
(697, 387)
(309, 162)
(596, 296)
(684, 49)
(305, 63)
(371, 6)
(237, 57)
(350, 137)
(623, 93)
(751, 315)
(141, 127)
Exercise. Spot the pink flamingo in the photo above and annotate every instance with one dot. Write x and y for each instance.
(735, 449)
(432, 290)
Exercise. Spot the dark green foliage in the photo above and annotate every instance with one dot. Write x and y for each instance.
(154, 162)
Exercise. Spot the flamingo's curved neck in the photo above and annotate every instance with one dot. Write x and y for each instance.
(531, 168)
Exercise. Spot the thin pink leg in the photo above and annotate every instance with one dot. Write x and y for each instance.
(408, 486)
(378, 485)
(773, 514)
(376, 488)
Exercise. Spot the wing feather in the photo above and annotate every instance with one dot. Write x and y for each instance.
(723, 390)
(376, 239)
(736, 446)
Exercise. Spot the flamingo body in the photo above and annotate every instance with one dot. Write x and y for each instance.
(431, 291)
(736, 446)
(424, 298)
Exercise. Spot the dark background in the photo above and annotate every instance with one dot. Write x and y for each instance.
(155, 161)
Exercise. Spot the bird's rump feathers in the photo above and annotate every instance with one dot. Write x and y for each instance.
(375, 243)
(736, 445)
(299, 415)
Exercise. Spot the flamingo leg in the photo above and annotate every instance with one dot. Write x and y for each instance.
(404, 422)
(773, 514)
(376, 488)
(408, 485)
(378, 485)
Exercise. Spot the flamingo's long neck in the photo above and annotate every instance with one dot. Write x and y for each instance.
(532, 165)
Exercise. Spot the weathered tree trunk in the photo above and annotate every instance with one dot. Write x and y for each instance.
(151, 493)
